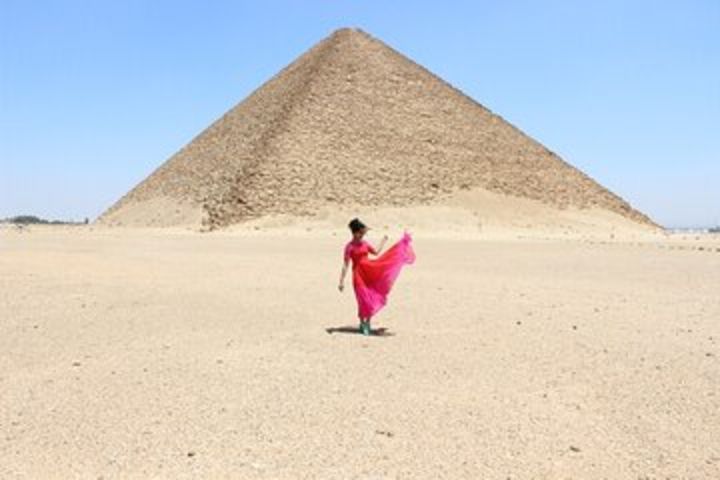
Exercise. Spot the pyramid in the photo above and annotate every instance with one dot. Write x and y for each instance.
(352, 122)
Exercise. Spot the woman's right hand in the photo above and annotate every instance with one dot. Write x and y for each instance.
(341, 287)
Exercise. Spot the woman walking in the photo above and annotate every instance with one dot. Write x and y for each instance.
(373, 278)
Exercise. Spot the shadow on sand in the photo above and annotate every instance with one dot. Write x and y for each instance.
(375, 332)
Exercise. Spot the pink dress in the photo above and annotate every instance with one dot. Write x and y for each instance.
(373, 278)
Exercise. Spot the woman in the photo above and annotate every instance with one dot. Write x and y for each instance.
(373, 279)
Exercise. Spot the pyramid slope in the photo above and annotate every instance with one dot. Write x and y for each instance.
(352, 121)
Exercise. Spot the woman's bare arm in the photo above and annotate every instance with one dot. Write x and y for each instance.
(381, 245)
(341, 285)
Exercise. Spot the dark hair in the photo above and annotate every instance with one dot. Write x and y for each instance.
(356, 225)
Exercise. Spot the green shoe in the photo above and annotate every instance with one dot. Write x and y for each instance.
(365, 327)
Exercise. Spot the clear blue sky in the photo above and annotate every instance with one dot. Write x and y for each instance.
(95, 94)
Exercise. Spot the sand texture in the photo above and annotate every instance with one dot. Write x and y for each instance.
(133, 353)
(352, 122)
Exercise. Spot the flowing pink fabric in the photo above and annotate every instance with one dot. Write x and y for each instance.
(373, 278)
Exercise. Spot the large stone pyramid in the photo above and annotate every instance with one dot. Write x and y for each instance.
(352, 121)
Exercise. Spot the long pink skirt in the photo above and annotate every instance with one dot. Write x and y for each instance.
(373, 279)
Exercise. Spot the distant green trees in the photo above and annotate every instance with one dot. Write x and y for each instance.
(34, 220)
(26, 220)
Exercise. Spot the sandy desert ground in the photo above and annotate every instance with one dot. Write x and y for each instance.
(175, 354)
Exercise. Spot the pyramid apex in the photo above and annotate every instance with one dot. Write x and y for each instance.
(345, 32)
(348, 30)
(347, 38)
